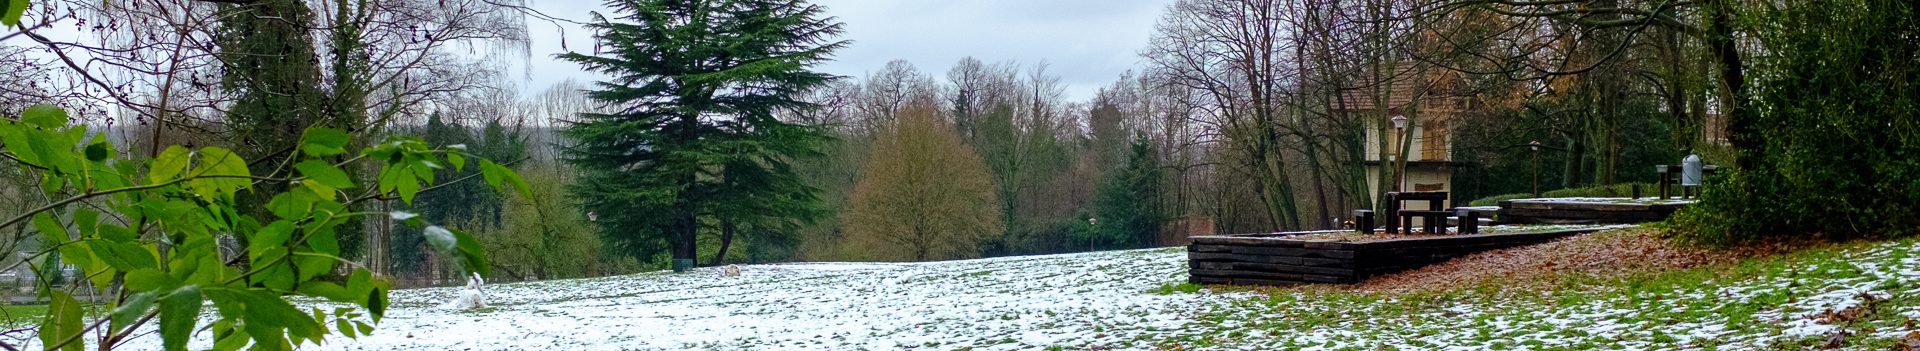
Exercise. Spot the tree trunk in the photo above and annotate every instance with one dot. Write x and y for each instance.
(727, 229)
(1741, 131)
(1576, 162)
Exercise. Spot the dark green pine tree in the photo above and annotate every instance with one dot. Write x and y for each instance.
(270, 64)
(1127, 204)
(693, 143)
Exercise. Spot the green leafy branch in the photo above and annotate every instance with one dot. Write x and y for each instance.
(149, 233)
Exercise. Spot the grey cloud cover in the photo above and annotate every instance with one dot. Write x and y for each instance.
(1087, 42)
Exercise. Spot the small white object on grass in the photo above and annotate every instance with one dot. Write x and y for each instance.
(469, 298)
(731, 271)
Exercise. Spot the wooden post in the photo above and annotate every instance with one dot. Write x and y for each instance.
(1393, 212)
(1665, 183)
(1469, 221)
(1363, 221)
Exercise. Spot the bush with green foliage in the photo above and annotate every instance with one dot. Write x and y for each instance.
(1835, 129)
(546, 235)
(146, 234)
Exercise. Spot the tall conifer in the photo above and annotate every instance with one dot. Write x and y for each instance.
(692, 141)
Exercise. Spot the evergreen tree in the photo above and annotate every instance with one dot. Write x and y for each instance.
(693, 140)
(270, 65)
(1127, 206)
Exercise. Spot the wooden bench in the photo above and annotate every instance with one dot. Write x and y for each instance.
(1397, 215)
(1435, 218)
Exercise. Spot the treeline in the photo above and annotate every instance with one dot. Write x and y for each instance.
(1244, 116)
(991, 161)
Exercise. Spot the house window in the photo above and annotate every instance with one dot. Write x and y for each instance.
(1433, 141)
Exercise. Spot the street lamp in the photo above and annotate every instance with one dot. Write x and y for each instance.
(1535, 145)
(1093, 223)
(1399, 136)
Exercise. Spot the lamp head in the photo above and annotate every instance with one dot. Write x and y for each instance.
(1399, 122)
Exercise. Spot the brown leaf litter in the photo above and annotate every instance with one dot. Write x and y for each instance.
(1605, 254)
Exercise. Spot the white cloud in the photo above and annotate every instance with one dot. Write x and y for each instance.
(1087, 42)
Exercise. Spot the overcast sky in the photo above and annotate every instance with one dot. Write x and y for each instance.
(1088, 43)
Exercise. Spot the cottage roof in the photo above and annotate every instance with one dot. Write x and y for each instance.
(1409, 81)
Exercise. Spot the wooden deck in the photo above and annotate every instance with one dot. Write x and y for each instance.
(1277, 259)
(1561, 211)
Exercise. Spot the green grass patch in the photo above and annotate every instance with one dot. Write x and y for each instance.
(1615, 190)
(22, 314)
(1742, 303)
(1183, 288)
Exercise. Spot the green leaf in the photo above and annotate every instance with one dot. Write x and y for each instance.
(62, 323)
(234, 340)
(327, 290)
(458, 244)
(168, 165)
(10, 13)
(76, 253)
(325, 173)
(127, 312)
(87, 220)
(491, 172)
(360, 282)
(150, 279)
(224, 164)
(123, 256)
(322, 142)
(50, 228)
(272, 235)
(472, 253)
(43, 115)
(345, 327)
(376, 303)
(321, 259)
(99, 151)
(519, 184)
(116, 233)
(294, 203)
(407, 188)
(459, 162)
(179, 310)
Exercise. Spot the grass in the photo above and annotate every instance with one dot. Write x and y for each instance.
(21, 314)
(1615, 190)
(1738, 305)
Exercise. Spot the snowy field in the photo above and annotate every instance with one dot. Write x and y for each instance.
(1129, 300)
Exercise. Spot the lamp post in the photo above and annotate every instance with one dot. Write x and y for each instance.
(1094, 224)
(1399, 136)
(1535, 145)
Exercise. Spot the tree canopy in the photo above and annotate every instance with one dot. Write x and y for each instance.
(924, 195)
(692, 137)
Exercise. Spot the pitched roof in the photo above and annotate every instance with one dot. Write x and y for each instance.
(1410, 81)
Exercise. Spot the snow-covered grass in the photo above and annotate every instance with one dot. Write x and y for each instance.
(1771, 303)
(1138, 300)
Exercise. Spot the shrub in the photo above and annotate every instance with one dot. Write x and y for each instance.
(1833, 144)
